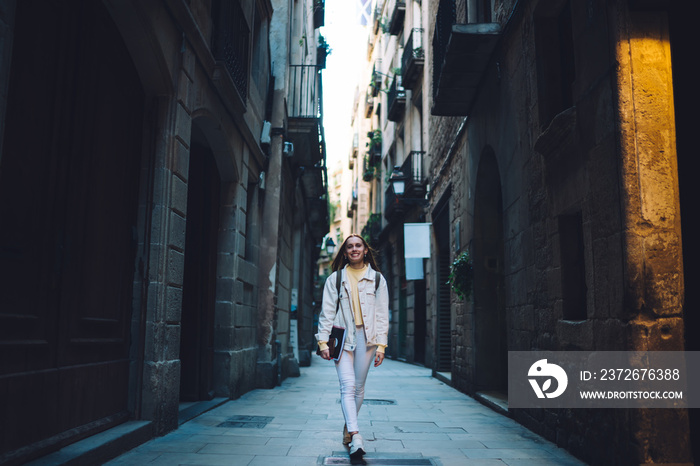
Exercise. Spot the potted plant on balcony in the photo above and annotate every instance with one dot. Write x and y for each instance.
(322, 51)
(369, 168)
(375, 143)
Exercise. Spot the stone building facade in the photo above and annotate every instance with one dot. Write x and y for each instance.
(553, 133)
(162, 210)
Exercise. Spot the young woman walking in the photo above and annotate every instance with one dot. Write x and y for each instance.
(363, 311)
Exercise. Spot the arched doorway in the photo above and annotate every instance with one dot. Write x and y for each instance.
(68, 203)
(491, 351)
(200, 277)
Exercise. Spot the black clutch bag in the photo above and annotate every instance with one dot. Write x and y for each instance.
(336, 341)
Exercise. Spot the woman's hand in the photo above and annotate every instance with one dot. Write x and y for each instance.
(326, 354)
(378, 358)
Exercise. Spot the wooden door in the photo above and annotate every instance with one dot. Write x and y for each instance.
(68, 197)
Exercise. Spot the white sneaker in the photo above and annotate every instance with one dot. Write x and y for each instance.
(357, 447)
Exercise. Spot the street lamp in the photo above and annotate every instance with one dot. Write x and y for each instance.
(330, 246)
(398, 181)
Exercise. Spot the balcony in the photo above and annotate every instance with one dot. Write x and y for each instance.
(369, 168)
(353, 151)
(412, 168)
(413, 58)
(304, 114)
(372, 229)
(376, 82)
(319, 13)
(397, 13)
(396, 100)
(352, 202)
(377, 18)
(395, 207)
(461, 53)
(369, 104)
(375, 146)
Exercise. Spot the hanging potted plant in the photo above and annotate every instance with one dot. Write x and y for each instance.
(322, 51)
(461, 275)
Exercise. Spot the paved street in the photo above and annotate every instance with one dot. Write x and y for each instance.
(409, 418)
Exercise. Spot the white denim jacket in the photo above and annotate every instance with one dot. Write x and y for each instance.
(375, 309)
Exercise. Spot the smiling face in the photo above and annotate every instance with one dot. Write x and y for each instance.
(355, 251)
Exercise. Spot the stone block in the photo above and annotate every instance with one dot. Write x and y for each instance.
(152, 338)
(185, 94)
(244, 316)
(171, 342)
(223, 311)
(238, 291)
(178, 200)
(178, 229)
(224, 289)
(225, 263)
(248, 272)
(181, 160)
(243, 337)
(173, 304)
(227, 242)
(158, 215)
(224, 338)
(183, 124)
(176, 267)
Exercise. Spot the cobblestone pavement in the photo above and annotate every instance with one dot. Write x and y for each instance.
(409, 418)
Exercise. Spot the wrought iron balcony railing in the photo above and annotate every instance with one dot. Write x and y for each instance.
(446, 17)
(397, 12)
(413, 58)
(304, 99)
(396, 99)
(412, 169)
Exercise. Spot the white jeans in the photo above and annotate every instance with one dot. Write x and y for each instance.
(352, 373)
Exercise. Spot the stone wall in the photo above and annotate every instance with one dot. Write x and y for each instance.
(596, 176)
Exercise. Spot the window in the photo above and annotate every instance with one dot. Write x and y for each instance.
(555, 59)
(573, 267)
(230, 42)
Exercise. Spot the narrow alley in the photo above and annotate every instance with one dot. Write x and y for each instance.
(409, 418)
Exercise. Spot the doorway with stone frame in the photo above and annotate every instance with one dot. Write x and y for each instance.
(490, 333)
